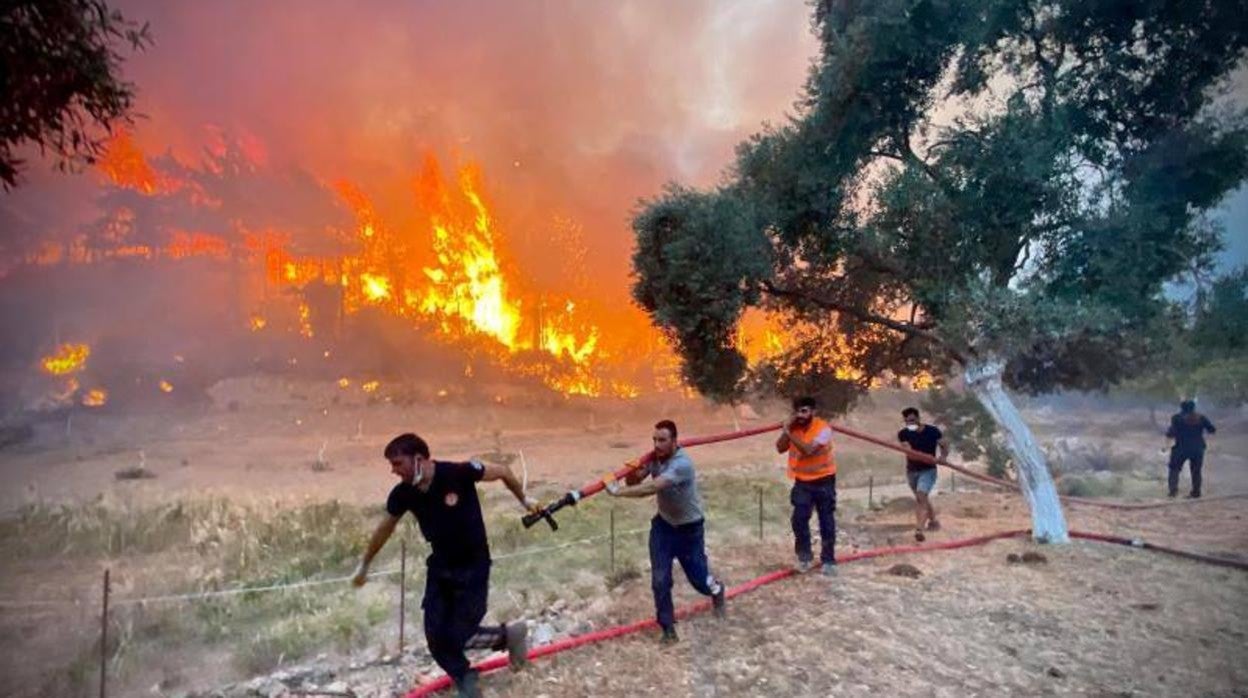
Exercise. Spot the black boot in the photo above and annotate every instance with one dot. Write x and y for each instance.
(467, 687)
(516, 641)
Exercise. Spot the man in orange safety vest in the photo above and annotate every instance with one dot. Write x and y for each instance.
(808, 441)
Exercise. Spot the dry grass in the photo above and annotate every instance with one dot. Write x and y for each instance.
(199, 542)
(189, 545)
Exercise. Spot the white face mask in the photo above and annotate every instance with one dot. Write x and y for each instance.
(912, 427)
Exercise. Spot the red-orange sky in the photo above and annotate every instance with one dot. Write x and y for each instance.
(572, 109)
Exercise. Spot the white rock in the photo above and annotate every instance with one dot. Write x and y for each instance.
(543, 633)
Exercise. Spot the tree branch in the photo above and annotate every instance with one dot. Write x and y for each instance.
(865, 316)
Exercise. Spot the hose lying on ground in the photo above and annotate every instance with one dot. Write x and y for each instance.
(500, 661)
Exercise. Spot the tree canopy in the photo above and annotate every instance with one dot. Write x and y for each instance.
(1006, 181)
(60, 79)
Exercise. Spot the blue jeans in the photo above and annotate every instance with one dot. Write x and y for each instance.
(686, 543)
(814, 496)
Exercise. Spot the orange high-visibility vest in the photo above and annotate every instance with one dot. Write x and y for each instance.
(807, 468)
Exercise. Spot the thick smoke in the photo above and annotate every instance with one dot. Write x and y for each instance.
(572, 110)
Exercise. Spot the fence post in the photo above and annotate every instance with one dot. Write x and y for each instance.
(104, 636)
(870, 492)
(402, 592)
(612, 540)
(760, 513)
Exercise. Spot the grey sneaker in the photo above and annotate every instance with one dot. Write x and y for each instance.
(719, 601)
(803, 566)
(517, 639)
(829, 569)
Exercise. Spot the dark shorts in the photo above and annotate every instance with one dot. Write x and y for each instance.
(921, 480)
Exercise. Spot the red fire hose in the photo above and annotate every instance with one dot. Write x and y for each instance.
(501, 661)
(927, 458)
(589, 490)
(574, 496)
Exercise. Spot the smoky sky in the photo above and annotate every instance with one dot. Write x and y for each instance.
(574, 110)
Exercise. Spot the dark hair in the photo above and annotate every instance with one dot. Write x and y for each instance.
(804, 401)
(669, 425)
(1187, 406)
(910, 411)
(407, 445)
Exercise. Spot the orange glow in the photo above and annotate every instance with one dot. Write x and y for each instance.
(166, 387)
(257, 323)
(760, 336)
(96, 397)
(376, 288)
(624, 390)
(370, 386)
(69, 358)
(126, 166)
(344, 382)
(189, 244)
(305, 320)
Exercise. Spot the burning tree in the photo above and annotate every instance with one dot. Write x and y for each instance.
(991, 190)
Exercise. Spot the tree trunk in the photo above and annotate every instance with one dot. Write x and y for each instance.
(983, 379)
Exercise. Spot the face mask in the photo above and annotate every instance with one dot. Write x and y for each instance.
(912, 427)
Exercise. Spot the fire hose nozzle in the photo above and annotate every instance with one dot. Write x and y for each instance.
(529, 519)
(546, 513)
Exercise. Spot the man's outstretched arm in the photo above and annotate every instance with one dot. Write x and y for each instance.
(645, 489)
(495, 471)
(380, 536)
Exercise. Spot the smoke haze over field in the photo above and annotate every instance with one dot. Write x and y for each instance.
(570, 111)
(573, 110)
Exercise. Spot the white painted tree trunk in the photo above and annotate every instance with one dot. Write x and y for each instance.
(1048, 524)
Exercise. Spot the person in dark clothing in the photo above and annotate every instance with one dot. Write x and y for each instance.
(921, 475)
(443, 497)
(1188, 428)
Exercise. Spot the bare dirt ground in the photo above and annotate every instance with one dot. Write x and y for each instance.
(1093, 620)
(263, 435)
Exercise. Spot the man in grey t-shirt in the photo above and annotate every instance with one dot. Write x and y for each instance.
(678, 531)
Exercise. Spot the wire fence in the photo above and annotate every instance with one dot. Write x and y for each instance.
(754, 514)
(619, 549)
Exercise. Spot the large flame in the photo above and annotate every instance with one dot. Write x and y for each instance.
(448, 271)
(465, 289)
